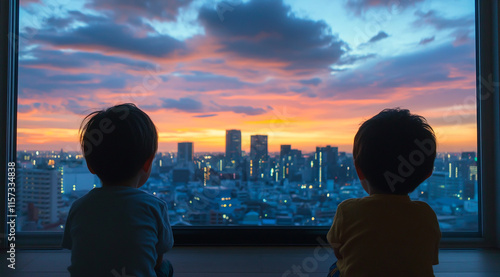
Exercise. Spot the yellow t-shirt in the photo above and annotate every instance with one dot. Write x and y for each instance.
(385, 235)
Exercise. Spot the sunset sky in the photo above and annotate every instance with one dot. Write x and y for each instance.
(304, 72)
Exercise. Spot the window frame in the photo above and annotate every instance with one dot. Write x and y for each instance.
(488, 124)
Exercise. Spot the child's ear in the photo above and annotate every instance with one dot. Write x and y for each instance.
(358, 171)
(90, 169)
(149, 162)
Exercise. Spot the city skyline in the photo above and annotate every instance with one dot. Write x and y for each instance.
(288, 189)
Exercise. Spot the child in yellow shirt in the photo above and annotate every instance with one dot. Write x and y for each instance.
(386, 233)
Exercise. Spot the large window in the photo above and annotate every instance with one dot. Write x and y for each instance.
(257, 102)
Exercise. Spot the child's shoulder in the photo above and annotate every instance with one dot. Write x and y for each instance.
(349, 203)
(116, 195)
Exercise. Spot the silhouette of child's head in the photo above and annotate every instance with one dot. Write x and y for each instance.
(117, 142)
(395, 151)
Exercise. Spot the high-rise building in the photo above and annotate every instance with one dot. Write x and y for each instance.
(285, 150)
(233, 147)
(184, 152)
(258, 147)
(440, 185)
(40, 190)
(289, 164)
(325, 163)
(258, 156)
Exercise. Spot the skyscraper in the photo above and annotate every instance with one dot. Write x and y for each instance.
(184, 152)
(289, 163)
(258, 147)
(285, 150)
(325, 163)
(233, 147)
(41, 189)
(258, 156)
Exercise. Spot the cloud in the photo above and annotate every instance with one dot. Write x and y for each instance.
(303, 90)
(461, 27)
(439, 22)
(423, 68)
(269, 31)
(60, 60)
(360, 7)
(351, 59)
(425, 41)
(44, 107)
(28, 2)
(163, 10)
(189, 105)
(184, 104)
(45, 82)
(24, 108)
(75, 107)
(206, 81)
(205, 115)
(109, 37)
(380, 36)
(314, 81)
(239, 109)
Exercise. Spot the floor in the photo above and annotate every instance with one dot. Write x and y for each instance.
(252, 261)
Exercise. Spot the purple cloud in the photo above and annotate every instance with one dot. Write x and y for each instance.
(425, 41)
(360, 7)
(268, 30)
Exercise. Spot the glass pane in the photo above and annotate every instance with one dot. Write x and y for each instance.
(256, 102)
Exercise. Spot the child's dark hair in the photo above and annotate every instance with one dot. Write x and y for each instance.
(395, 151)
(116, 142)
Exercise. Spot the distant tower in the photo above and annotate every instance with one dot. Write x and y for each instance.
(258, 156)
(233, 147)
(184, 152)
(285, 150)
(325, 163)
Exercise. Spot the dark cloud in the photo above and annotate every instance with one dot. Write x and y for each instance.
(303, 90)
(28, 2)
(46, 107)
(268, 30)
(425, 41)
(200, 76)
(111, 37)
(24, 108)
(439, 22)
(162, 10)
(380, 36)
(205, 115)
(299, 89)
(189, 105)
(461, 27)
(351, 59)
(214, 61)
(412, 70)
(239, 109)
(205, 81)
(183, 104)
(462, 36)
(314, 81)
(43, 82)
(75, 107)
(51, 70)
(359, 7)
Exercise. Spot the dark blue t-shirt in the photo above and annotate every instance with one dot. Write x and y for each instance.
(117, 230)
